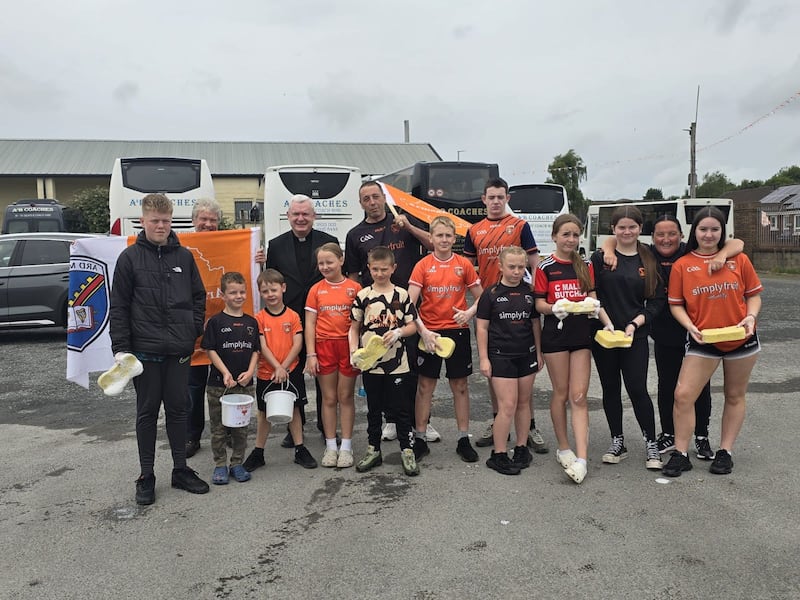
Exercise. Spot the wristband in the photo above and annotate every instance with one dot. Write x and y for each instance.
(751, 315)
(312, 355)
(635, 326)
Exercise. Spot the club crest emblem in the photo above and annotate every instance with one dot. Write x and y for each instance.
(459, 271)
(287, 328)
(88, 301)
(510, 230)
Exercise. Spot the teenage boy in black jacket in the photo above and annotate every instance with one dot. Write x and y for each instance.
(157, 311)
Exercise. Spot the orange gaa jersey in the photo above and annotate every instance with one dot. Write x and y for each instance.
(332, 303)
(487, 238)
(716, 300)
(444, 285)
(278, 331)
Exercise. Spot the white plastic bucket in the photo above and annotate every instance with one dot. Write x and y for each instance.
(280, 404)
(236, 410)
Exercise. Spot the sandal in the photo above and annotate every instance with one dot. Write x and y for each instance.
(220, 476)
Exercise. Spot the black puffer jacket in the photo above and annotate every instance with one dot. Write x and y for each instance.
(158, 300)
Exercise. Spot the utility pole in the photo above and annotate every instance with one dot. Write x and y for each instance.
(693, 149)
(693, 160)
(458, 154)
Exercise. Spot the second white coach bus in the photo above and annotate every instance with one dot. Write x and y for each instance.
(539, 204)
(332, 188)
(183, 180)
(598, 221)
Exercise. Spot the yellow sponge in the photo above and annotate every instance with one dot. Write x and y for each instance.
(444, 346)
(126, 367)
(585, 306)
(367, 357)
(615, 339)
(723, 334)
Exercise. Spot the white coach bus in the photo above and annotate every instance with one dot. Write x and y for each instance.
(183, 180)
(332, 188)
(598, 221)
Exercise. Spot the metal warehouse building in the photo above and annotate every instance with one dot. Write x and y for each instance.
(59, 168)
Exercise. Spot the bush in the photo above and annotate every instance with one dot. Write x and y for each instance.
(92, 203)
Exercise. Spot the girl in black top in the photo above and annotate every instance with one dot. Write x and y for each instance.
(632, 295)
(508, 332)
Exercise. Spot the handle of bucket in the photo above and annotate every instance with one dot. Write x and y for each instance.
(288, 385)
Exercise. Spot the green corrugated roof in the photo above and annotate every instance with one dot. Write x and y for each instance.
(96, 157)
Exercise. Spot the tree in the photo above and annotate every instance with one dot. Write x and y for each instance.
(653, 194)
(569, 170)
(786, 176)
(714, 185)
(750, 183)
(92, 203)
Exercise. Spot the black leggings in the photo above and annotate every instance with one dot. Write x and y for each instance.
(668, 365)
(162, 382)
(632, 363)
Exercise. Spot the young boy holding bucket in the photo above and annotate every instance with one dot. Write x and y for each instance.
(281, 336)
(232, 342)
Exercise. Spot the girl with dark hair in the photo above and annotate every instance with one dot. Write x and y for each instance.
(566, 342)
(670, 338)
(702, 298)
(632, 295)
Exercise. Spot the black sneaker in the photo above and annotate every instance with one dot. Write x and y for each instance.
(288, 441)
(466, 451)
(192, 446)
(420, 448)
(146, 490)
(703, 447)
(616, 451)
(677, 464)
(722, 463)
(522, 457)
(187, 479)
(254, 460)
(303, 457)
(666, 443)
(500, 462)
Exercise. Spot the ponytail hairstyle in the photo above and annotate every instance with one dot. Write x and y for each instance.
(580, 266)
(651, 277)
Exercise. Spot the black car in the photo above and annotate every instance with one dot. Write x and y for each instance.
(34, 278)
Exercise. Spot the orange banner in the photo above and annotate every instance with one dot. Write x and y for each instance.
(218, 252)
(420, 209)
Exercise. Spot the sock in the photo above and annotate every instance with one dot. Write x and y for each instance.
(463, 434)
(533, 424)
(330, 444)
(420, 435)
(296, 448)
(257, 450)
(563, 452)
(685, 454)
(581, 460)
(347, 444)
(700, 437)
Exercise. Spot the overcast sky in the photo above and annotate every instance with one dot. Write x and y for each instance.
(513, 82)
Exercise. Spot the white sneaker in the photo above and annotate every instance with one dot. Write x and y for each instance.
(431, 435)
(345, 459)
(389, 432)
(126, 367)
(576, 471)
(330, 458)
(566, 458)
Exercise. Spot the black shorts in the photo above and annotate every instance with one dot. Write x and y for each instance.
(749, 348)
(457, 366)
(264, 385)
(552, 348)
(513, 367)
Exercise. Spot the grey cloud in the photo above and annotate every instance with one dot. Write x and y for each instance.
(20, 91)
(341, 101)
(726, 15)
(125, 92)
(461, 32)
(205, 82)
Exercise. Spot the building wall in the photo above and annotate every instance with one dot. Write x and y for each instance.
(15, 188)
(230, 189)
(64, 188)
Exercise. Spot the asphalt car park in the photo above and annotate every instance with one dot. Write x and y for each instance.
(69, 527)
